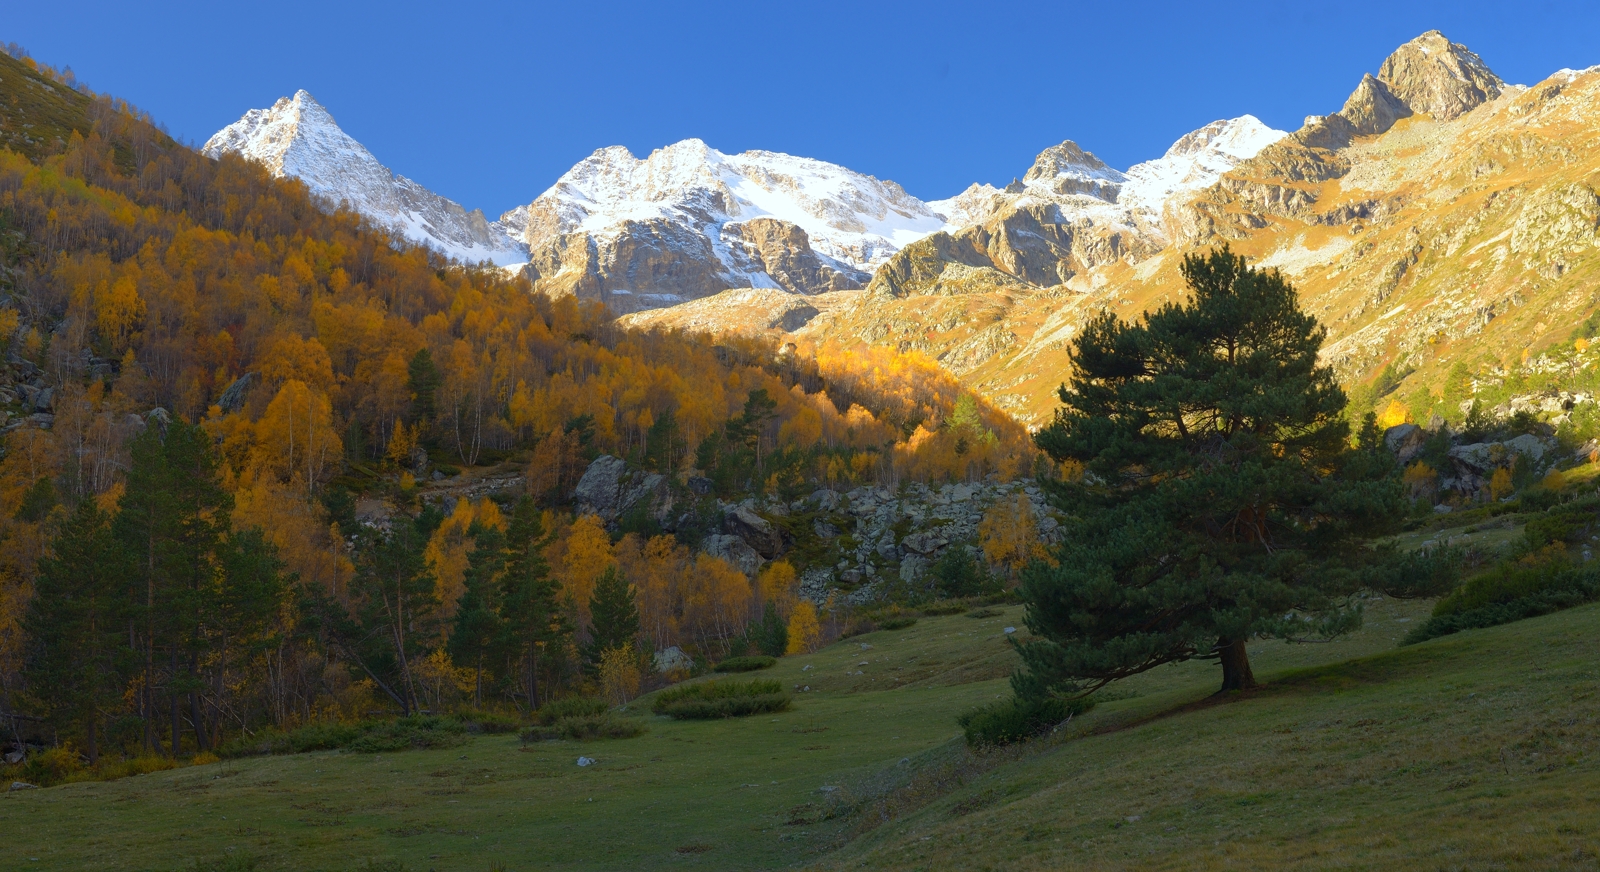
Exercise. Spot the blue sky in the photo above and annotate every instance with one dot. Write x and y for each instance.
(488, 103)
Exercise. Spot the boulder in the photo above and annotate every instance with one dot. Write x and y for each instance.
(23, 785)
(924, 543)
(1404, 441)
(609, 489)
(758, 532)
(232, 399)
(700, 485)
(673, 660)
(734, 550)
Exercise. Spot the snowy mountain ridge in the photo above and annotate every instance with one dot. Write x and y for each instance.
(296, 137)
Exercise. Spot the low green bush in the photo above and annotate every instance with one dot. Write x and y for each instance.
(745, 664)
(488, 723)
(571, 707)
(721, 699)
(899, 622)
(1014, 720)
(945, 607)
(605, 725)
(984, 613)
(1510, 592)
(368, 737)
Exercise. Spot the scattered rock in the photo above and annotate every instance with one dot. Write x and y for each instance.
(23, 785)
(586, 761)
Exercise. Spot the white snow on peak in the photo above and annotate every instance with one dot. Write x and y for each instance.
(853, 219)
(1194, 162)
(297, 138)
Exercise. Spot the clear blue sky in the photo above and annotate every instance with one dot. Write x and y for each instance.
(488, 103)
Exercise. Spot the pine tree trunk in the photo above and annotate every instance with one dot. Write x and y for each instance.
(1236, 674)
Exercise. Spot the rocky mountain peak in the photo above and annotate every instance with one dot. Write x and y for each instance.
(1068, 169)
(1442, 78)
(1372, 108)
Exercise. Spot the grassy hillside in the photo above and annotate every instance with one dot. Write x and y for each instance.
(1476, 751)
(877, 726)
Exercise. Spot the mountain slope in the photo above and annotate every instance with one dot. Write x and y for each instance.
(688, 221)
(297, 138)
(1439, 219)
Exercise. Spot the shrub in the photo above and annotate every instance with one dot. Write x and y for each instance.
(417, 731)
(745, 664)
(370, 737)
(51, 766)
(1509, 592)
(571, 707)
(585, 727)
(489, 723)
(718, 699)
(898, 622)
(984, 612)
(1013, 720)
(944, 607)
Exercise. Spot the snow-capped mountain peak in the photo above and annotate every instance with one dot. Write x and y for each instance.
(718, 214)
(297, 137)
(1197, 160)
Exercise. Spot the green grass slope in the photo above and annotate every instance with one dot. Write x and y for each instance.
(869, 736)
(1477, 751)
(37, 115)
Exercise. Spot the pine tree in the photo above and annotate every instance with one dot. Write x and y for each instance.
(396, 618)
(536, 634)
(613, 616)
(171, 522)
(75, 625)
(423, 381)
(1221, 502)
(478, 626)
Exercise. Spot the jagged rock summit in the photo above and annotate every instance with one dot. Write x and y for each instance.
(688, 221)
(298, 138)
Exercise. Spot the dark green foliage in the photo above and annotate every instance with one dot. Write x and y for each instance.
(488, 723)
(479, 630)
(730, 457)
(661, 443)
(1013, 720)
(983, 613)
(1511, 592)
(37, 501)
(745, 664)
(396, 734)
(396, 611)
(956, 574)
(1432, 572)
(770, 636)
(709, 700)
(77, 630)
(571, 707)
(423, 381)
(604, 725)
(340, 504)
(613, 614)
(1220, 496)
(535, 634)
(897, 622)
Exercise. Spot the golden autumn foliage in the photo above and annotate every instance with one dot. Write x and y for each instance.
(620, 676)
(780, 586)
(1009, 534)
(1394, 415)
(1500, 484)
(585, 554)
(805, 633)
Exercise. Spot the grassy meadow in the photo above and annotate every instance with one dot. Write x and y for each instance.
(1473, 751)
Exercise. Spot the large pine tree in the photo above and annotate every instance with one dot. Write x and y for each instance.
(76, 630)
(1221, 499)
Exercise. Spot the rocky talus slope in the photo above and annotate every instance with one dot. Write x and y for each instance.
(296, 137)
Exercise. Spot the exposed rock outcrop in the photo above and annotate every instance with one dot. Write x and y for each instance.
(610, 489)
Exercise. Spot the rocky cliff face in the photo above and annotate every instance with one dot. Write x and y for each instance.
(689, 221)
(298, 138)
